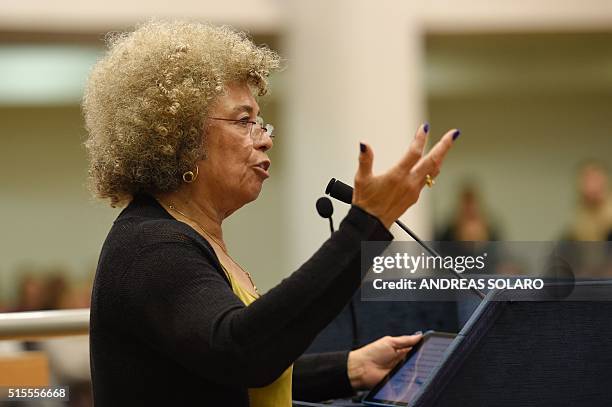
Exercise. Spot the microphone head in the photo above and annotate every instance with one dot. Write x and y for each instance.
(340, 191)
(325, 207)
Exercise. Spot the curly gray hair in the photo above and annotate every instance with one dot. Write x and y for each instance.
(147, 99)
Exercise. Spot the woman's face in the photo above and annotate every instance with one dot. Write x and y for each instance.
(236, 165)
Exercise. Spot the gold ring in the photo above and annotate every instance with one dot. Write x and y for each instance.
(430, 182)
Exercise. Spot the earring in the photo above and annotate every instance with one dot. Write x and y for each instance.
(189, 176)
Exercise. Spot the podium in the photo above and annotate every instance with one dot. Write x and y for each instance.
(527, 349)
(530, 352)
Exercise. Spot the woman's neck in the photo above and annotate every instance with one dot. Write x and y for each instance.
(187, 207)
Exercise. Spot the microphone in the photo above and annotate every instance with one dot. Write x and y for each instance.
(344, 193)
(340, 191)
(326, 210)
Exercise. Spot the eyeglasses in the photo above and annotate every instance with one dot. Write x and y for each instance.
(246, 127)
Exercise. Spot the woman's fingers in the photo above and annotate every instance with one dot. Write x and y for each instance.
(366, 159)
(405, 341)
(416, 149)
(388, 195)
(431, 163)
(401, 352)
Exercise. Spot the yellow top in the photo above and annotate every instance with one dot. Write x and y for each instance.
(277, 393)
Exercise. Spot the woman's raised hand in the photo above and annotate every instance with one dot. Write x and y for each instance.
(389, 195)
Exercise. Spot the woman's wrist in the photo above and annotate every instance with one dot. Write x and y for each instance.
(355, 370)
(384, 224)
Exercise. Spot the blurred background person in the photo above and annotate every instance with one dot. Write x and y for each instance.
(55, 289)
(470, 221)
(31, 293)
(592, 218)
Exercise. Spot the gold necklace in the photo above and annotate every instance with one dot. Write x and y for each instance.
(221, 246)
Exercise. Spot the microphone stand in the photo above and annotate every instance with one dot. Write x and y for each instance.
(331, 225)
(325, 210)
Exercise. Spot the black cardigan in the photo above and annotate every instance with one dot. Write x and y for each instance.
(166, 328)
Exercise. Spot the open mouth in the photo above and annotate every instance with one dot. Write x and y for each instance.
(263, 167)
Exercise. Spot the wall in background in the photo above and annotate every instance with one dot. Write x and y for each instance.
(47, 216)
(531, 107)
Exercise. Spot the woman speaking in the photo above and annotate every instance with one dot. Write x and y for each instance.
(175, 136)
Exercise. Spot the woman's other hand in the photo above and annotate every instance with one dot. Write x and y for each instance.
(367, 365)
(387, 196)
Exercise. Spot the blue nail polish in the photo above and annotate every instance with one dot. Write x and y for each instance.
(362, 147)
(426, 128)
(456, 134)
